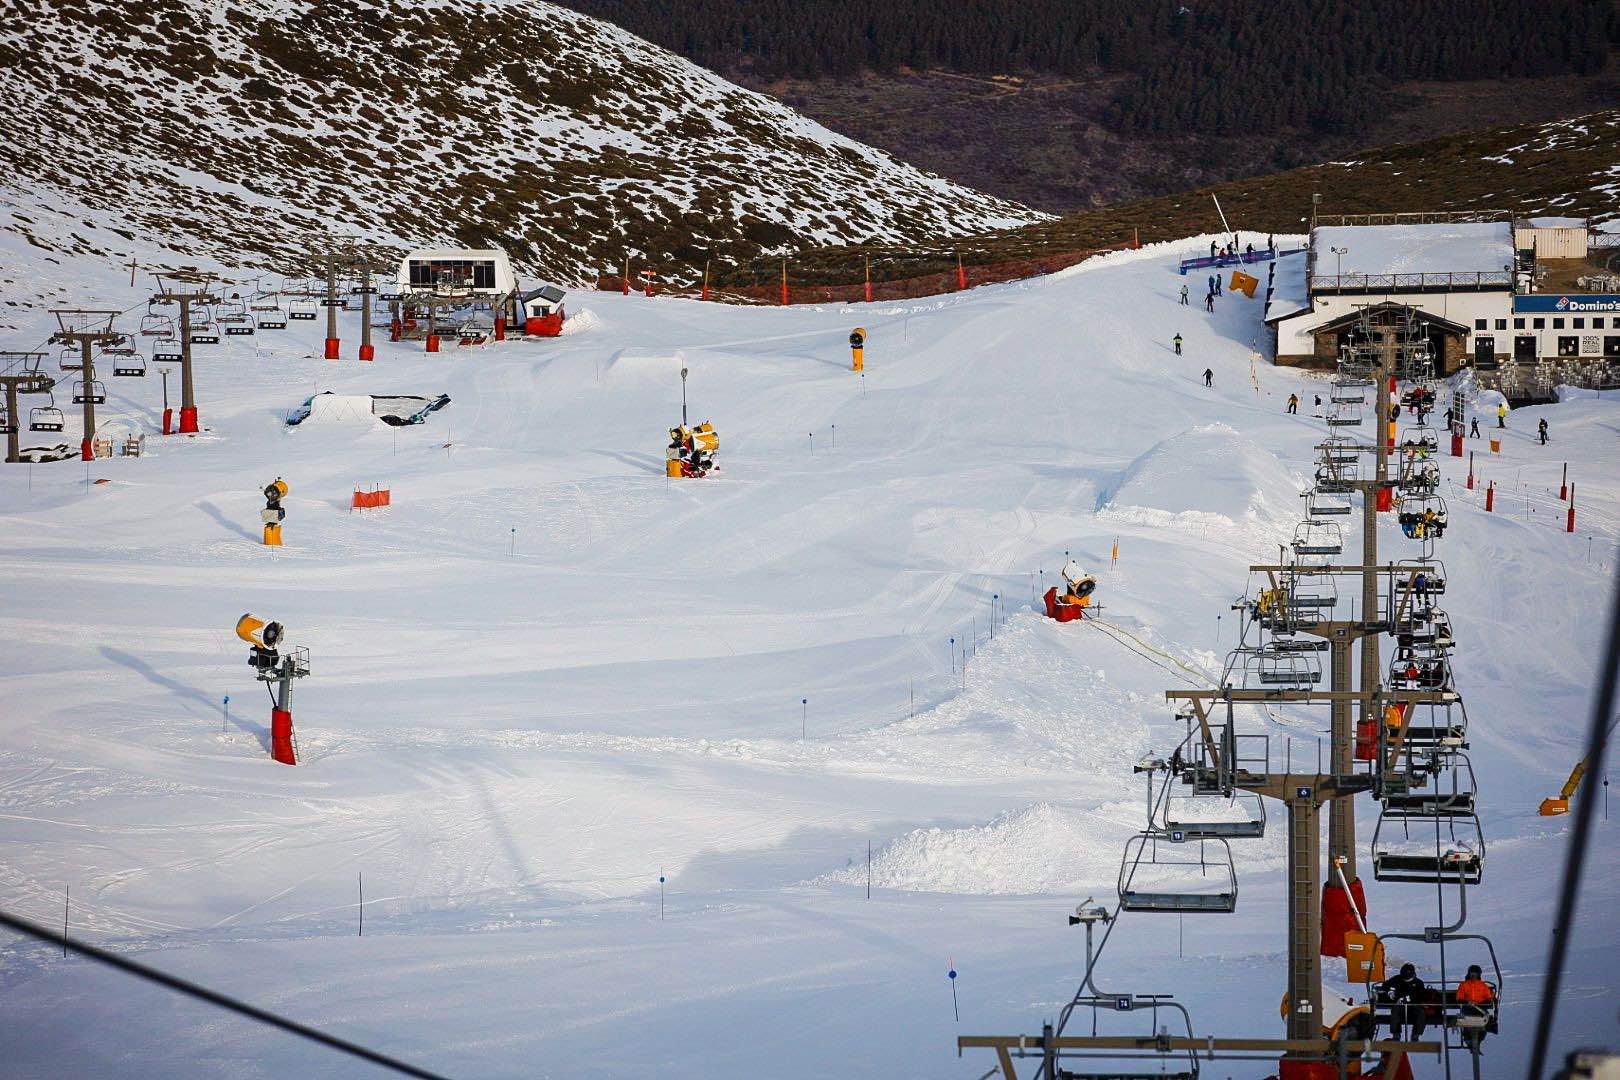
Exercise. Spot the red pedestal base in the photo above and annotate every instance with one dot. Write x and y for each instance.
(281, 744)
(1490, 496)
(1289, 1069)
(1456, 446)
(433, 343)
(188, 421)
(868, 292)
(500, 329)
(368, 352)
(332, 344)
(1337, 917)
(395, 330)
(168, 421)
(1569, 526)
(85, 453)
(1062, 612)
(1386, 500)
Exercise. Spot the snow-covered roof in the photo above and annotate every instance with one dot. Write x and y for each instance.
(1288, 293)
(1554, 223)
(1448, 248)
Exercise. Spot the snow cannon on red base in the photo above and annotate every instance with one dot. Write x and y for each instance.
(270, 666)
(1072, 603)
(691, 451)
(542, 311)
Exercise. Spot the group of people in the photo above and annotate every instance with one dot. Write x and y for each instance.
(1415, 1004)
(1425, 524)
(1229, 249)
(691, 450)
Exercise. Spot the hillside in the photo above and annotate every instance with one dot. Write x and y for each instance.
(1566, 167)
(1069, 104)
(243, 136)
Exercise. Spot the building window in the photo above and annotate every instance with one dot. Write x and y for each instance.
(1611, 345)
(1569, 346)
(1479, 324)
(1558, 324)
(1518, 324)
(1501, 324)
(1577, 324)
(1597, 323)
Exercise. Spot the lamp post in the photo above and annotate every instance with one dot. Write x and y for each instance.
(683, 395)
(1338, 254)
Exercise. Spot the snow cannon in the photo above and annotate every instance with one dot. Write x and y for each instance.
(691, 450)
(272, 515)
(857, 348)
(271, 667)
(1071, 604)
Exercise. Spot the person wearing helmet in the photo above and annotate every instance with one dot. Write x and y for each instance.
(1476, 997)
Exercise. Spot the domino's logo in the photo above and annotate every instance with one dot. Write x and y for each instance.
(1562, 304)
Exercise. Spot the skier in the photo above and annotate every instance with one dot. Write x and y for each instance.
(1209, 303)
(1209, 376)
(1501, 416)
(1406, 992)
(1217, 284)
(1248, 252)
(1475, 996)
(1473, 428)
(1212, 249)
(1214, 281)
(1177, 341)
(1184, 296)
(1293, 404)
(1318, 404)
(1541, 429)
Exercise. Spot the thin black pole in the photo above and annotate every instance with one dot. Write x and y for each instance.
(1585, 807)
(214, 997)
(67, 899)
(361, 875)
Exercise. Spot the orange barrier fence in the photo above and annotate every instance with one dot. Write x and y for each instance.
(370, 500)
(950, 280)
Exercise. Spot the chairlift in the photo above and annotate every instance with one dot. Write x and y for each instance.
(1422, 579)
(1425, 626)
(70, 358)
(7, 425)
(303, 309)
(1419, 396)
(1270, 668)
(1421, 440)
(153, 324)
(1344, 414)
(131, 366)
(93, 392)
(167, 351)
(1336, 479)
(1427, 727)
(1422, 517)
(1428, 849)
(1319, 504)
(1318, 538)
(1214, 817)
(46, 418)
(1449, 790)
(237, 324)
(270, 318)
(1349, 391)
(1168, 871)
(1418, 476)
(204, 331)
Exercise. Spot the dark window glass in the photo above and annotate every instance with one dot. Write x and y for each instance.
(1597, 323)
(1479, 324)
(1611, 346)
(1577, 324)
(1518, 324)
(1501, 324)
(1538, 324)
(1558, 323)
(1569, 346)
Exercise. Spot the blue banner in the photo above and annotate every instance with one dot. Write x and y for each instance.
(1568, 304)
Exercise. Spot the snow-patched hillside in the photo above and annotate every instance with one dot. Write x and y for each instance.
(546, 676)
(246, 133)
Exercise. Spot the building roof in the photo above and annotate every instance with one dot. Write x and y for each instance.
(1423, 315)
(1287, 295)
(1553, 223)
(1448, 248)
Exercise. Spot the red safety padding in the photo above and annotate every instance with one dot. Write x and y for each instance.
(1061, 612)
(281, 742)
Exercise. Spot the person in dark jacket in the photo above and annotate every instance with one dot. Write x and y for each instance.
(1406, 992)
(1209, 376)
(1541, 429)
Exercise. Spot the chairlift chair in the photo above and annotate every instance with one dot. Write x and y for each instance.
(1168, 871)
(1425, 626)
(270, 318)
(92, 391)
(1447, 791)
(70, 358)
(7, 423)
(1433, 726)
(303, 309)
(204, 331)
(46, 418)
(1344, 414)
(1320, 504)
(1271, 668)
(167, 351)
(237, 324)
(131, 366)
(153, 324)
(1428, 849)
(1421, 440)
(1214, 817)
(1349, 391)
(1318, 538)
(1421, 579)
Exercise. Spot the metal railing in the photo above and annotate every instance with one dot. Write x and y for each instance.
(1421, 282)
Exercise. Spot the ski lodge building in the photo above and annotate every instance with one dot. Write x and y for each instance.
(1492, 291)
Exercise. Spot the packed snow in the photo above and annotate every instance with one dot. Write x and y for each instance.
(547, 677)
(1444, 248)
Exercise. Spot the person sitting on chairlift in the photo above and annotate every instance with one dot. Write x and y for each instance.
(1475, 996)
(1407, 993)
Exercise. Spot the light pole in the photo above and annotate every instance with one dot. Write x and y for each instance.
(1338, 256)
(684, 372)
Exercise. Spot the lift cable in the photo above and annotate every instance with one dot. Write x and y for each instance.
(213, 997)
(1579, 837)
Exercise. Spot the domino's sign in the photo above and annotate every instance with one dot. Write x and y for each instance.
(1568, 303)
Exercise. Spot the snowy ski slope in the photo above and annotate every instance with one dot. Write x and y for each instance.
(547, 675)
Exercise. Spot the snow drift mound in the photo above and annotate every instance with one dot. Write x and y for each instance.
(1040, 849)
(1204, 476)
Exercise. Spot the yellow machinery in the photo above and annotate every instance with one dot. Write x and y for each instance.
(857, 348)
(272, 515)
(1560, 805)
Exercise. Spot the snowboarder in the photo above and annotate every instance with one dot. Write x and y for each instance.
(1184, 296)
(1177, 341)
(1501, 416)
(1209, 376)
(1209, 303)
(1473, 429)
(1541, 429)
(1293, 404)
(1317, 403)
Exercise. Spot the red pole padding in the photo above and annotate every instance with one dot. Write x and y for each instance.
(625, 283)
(188, 420)
(281, 744)
(1456, 444)
(168, 421)
(332, 348)
(395, 330)
(500, 328)
(961, 277)
(1470, 470)
(368, 352)
(85, 452)
(1386, 500)
(868, 292)
(433, 343)
(705, 294)
(1569, 524)
(784, 294)
(1490, 496)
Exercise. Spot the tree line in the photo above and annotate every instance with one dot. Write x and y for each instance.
(1220, 67)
